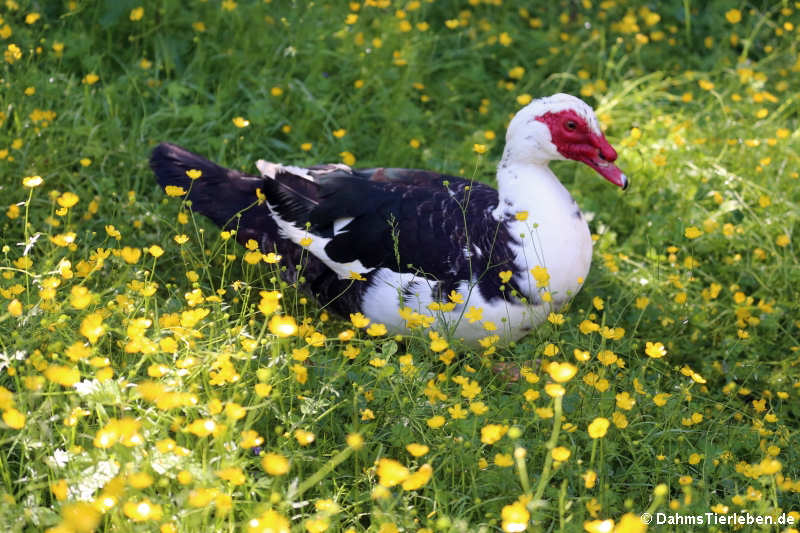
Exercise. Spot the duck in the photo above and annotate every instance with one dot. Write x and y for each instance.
(410, 248)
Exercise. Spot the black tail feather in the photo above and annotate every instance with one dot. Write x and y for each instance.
(220, 193)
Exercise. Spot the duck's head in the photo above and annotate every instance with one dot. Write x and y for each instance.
(562, 127)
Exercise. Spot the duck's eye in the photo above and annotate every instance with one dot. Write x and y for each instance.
(571, 125)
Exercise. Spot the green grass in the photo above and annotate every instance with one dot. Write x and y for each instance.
(704, 114)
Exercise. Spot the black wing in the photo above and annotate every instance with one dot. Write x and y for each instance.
(406, 220)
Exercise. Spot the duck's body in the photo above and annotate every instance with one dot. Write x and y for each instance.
(432, 249)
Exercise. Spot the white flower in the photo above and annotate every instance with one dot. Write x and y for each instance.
(87, 386)
(59, 459)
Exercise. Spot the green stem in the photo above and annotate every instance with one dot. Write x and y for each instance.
(548, 460)
(522, 468)
(25, 243)
(320, 474)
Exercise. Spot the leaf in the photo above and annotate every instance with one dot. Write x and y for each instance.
(389, 348)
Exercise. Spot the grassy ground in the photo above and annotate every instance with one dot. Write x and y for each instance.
(142, 388)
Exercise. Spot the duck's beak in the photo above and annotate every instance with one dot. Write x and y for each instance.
(601, 158)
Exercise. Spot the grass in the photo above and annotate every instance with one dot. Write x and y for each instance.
(143, 388)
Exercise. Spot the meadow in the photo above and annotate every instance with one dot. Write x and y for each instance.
(157, 376)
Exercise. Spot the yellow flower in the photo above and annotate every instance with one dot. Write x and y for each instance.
(275, 464)
(276, 91)
(202, 427)
(474, 314)
(503, 460)
(358, 320)
(137, 14)
(339, 133)
(491, 433)
(599, 526)
(524, 99)
(306, 147)
(303, 437)
(263, 389)
(589, 479)
(92, 327)
(540, 275)
(554, 390)
(734, 16)
(625, 401)
(515, 517)
(12, 53)
(156, 251)
(598, 427)
(417, 450)
(505, 276)
(240, 122)
(80, 297)
(80, 517)
(348, 158)
(300, 373)
(783, 240)
(15, 307)
(521, 216)
(91, 78)
(269, 522)
(655, 350)
(516, 73)
(32, 181)
(419, 478)
(562, 372)
(391, 472)
(14, 418)
(282, 326)
(435, 422)
(67, 200)
(560, 453)
(142, 511)
(355, 441)
(306, 241)
(376, 330)
(692, 232)
(438, 344)
(193, 173)
(59, 489)
(661, 398)
(479, 148)
(130, 255)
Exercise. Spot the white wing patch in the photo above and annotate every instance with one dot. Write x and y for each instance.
(269, 169)
(339, 224)
(295, 234)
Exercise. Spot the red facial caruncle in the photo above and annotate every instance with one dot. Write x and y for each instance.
(576, 140)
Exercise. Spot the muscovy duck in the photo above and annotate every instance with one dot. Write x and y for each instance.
(410, 248)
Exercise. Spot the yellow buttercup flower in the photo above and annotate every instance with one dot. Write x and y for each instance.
(391, 472)
(598, 427)
(32, 181)
(655, 350)
(734, 16)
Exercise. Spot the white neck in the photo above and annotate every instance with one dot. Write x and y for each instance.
(556, 235)
(528, 186)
